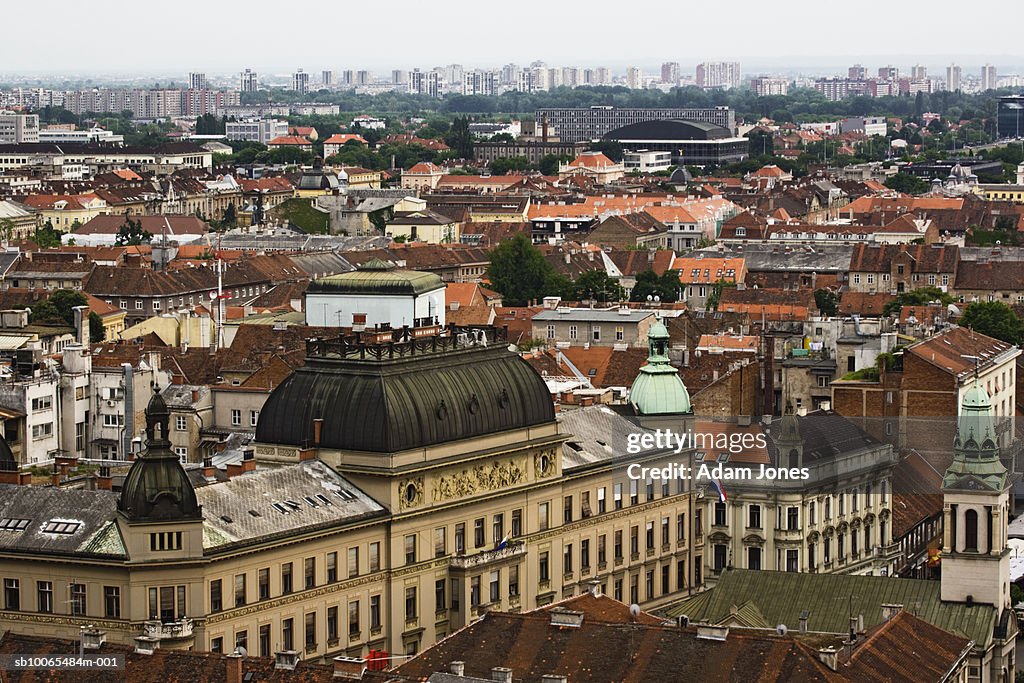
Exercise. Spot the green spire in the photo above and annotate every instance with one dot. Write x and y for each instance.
(658, 389)
(976, 446)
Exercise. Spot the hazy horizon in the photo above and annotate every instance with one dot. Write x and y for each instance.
(219, 39)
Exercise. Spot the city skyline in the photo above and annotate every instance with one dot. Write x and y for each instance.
(410, 43)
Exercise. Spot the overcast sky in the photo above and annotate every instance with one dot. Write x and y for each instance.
(272, 36)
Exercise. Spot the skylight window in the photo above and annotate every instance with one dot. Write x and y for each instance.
(56, 526)
(13, 524)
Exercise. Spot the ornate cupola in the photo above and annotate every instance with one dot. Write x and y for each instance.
(157, 488)
(658, 389)
(976, 509)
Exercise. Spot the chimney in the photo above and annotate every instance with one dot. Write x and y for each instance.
(93, 638)
(55, 477)
(553, 678)
(803, 621)
(318, 428)
(457, 668)
(146, 645)
(595, 588)
(233, 668)
(501, 674)
(82, 325)
(103, 479)
(286, 659)
(195, 396)
(249, 459)
(890, 610)
(829, 657)
(209, 471)
(351, 668)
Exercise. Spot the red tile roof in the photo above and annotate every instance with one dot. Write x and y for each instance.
(289, 140)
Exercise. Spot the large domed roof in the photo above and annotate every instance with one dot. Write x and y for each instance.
(378, 277)
(658, 389)
(393, 404)
(157, 488)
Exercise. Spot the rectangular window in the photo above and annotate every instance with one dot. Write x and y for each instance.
(44, 597)
(666, 534)
(633, 491)
(332, 567)
(309, 572)
(478, 532)
(286, 578)
(618, 546)
(649, 535)
(517, 523)
(567, 559)
(585, 555)
(239, 590)
(216, 601)
(567, 508)
(236, 417)
(719, 514)
(310, 624)
(410, 549)
(440, 541)
(353, 618)
(263, 583)
(410, 603)
(681, 527)
(332, 624)
(513, 581)
(77, 591)
(601, 501)
(254, 418)
(375, 556)
(288, 634)
(374, 611)
(353, 562)
(495, 587)
(498, 528)
(753, 558)
(602, 551)
(474, 591)
(544, 571)
(112, 602)
(617, 496)
(634, 540)
(543, 517)
(754, 517)
(460, 538)
(793, 518)
(12, 594)
(440, 603)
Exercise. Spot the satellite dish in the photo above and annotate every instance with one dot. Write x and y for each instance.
(240, 651)
(781, 629)
(634, 610)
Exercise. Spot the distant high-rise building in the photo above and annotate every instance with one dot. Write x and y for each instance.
(570, 76)
(988, 77)
(248, 81)
(363, 78)
(765, 86)
(197, 81)
(399, 76)
(426, 83)
(919, 73)
(602, 76)
(634, 78)
(348, 77)
(510, 74)
(554, 78)
(718, 75)
(953, 73)
(524, 82)
(1010, 116)
(857, 73)
(888, 73)
(300, 82)
(670, 72)
(327, 77)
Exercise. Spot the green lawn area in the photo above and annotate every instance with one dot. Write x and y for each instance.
(300, 212)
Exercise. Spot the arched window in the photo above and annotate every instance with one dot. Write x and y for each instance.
(971, 530)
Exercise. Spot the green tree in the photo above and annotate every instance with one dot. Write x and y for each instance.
(519, 271)
(649, 283)
(595, 284)
(505, 165)
(47, 236)
(995, 319)
(548, 165)
(916, 297)
(230, 216)
(96, 331)
(459, 138)
(904, 182)
(611, 149)
(132, 234)
(827, 301)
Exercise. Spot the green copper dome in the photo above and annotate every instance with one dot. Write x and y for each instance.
(976, 446)
(658, 389)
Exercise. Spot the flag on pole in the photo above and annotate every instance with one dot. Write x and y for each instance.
(717, 485)
(502, 544)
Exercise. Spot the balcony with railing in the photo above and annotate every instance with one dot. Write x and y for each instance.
(510, 552)
(179, 629)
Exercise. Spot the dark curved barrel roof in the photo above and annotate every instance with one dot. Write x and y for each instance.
(672, 129)
(392, 405)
